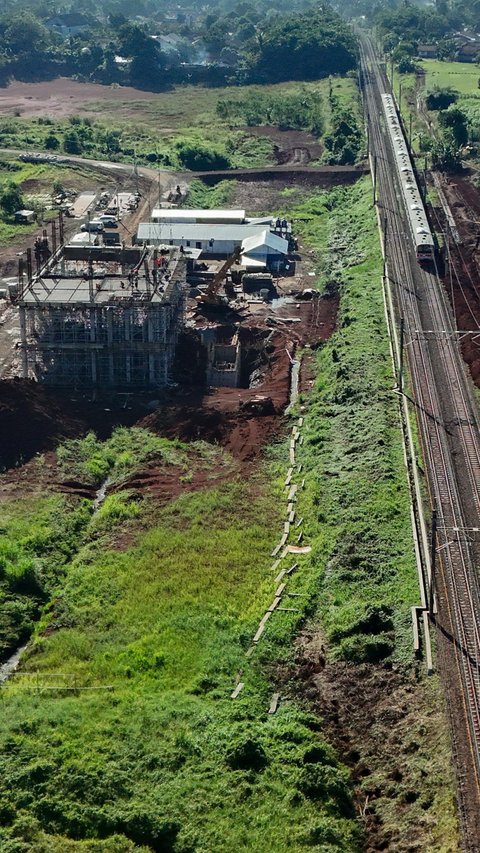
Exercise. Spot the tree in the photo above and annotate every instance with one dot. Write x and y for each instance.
(71, 142)
(456, 121)
(440, 99)
(304, 47)
(11, 198)
(445, 154)
(403, 56)
(198, 157)
(147, 61)
(24, 34)
(52, 143)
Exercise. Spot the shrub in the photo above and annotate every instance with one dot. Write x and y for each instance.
(71, 143)
(247, 754)
(11, 199)
(440, 99)
(52, 143)
(365, 649)
(198, 157)
(319, 782)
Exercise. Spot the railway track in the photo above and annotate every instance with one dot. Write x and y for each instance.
(450, 437)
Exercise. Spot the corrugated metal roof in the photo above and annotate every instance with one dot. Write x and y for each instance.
(163, 232)
(184, 214)
(267, 239)
(252, 263)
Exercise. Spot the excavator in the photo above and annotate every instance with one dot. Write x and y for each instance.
(211, 296)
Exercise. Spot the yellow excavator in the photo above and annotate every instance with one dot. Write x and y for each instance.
(211, 296)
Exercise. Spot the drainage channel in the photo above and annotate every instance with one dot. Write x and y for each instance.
(8, 668)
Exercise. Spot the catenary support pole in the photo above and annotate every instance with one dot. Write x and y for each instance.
(385, 234)
(402, 345)
(433, 553)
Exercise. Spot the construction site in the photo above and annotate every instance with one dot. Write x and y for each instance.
(101, 316)
(95, 313)
(210, 335)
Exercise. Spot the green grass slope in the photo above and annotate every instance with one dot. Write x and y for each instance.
(164, 760)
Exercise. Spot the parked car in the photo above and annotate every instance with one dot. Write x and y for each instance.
(94, 226)
(108, 221)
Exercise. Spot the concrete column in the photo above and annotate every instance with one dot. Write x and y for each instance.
(23, 338)
(93, 338)
(150, 339)
(128, 357)
(111, 370)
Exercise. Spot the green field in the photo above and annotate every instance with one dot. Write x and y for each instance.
(195, 106)
(155, 129)
(459, 75)
(140, 746)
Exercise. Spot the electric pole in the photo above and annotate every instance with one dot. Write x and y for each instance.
(433, 555)
(402, 346)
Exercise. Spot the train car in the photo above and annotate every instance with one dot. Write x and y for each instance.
(412, 198)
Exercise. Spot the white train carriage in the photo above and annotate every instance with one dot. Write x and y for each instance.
(412, 199)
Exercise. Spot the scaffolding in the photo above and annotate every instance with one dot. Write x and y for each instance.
(97, 316)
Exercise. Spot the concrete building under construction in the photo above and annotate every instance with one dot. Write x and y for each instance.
(98, 316)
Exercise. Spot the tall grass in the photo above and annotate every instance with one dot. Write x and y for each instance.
(166, 760)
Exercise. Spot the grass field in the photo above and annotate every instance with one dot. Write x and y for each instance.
(356, 501)
(462, 76)
(195, 106)
(165, 760)
(154, 127)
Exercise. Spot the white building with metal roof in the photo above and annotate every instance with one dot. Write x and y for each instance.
(198, 215)
(264, 249)
(259, 247)
(216, 240)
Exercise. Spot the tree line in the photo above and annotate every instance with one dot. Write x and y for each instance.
(241, 44)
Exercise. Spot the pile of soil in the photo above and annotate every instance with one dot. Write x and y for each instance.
(290, 146)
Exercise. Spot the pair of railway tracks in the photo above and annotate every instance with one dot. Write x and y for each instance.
(450, 438)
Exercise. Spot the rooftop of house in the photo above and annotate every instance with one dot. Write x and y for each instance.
(69, 19)
(265, 238)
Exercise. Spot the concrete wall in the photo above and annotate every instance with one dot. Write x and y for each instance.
(223, 364)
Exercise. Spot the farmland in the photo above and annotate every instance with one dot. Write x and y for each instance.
(461, 76)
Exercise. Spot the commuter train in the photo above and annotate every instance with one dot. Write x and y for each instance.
(412, 198)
